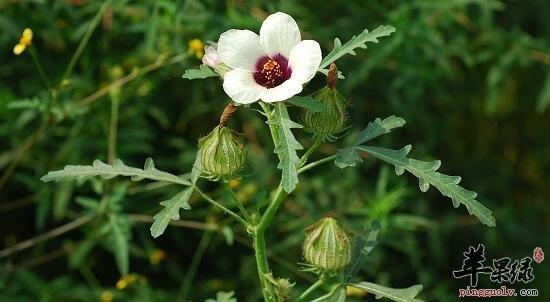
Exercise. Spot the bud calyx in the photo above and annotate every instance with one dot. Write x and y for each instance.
(327, 246)
(222, 153)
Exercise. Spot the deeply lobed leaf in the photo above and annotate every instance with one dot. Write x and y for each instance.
(358, 41)
(348, 157)
(396, 294)
(378, 127)
(118, 168)
(427, 175)
(286, 146)
(171, 211)
(172, 206)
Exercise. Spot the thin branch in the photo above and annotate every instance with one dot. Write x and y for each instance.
(243, 210)
(223, 208)
(316, 163)
(131, 76)
(22, 151)
(48, 235)
(193, 266)
(41, 259)
(85, 39)
(17, 203)
(178, 223)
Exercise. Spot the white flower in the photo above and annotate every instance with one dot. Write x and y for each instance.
(272, 66)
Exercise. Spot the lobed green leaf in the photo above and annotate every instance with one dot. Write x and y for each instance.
(202, 72)
(118, 241)
(427, 175)
(378, 127)
(358, 41)
(396, 294)
(223, 297)
(306, 102)
(171, 211)
(347, 157)
(172, 206)
(286, 146)
(118, 168)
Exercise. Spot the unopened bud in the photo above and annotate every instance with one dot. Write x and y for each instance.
(222, 153)
(327, 246)
(211, 57)
(332, 118)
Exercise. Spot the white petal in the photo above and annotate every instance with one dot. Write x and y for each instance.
(279, 34)
(304, 60)
(241, 87)
(282, 92)
(240, 49)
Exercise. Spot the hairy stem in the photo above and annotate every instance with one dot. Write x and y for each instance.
(260, 252)
(259, 241)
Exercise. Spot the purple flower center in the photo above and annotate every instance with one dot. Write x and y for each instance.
(272, 72)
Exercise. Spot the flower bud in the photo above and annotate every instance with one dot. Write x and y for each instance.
(211, 57)
(327, 246)
(222, 153)
(333, 116)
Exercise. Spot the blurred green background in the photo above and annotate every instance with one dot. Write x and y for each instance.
(471, 77)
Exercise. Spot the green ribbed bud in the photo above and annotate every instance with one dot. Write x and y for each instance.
(327, 246)
(222, 153)
(333, 117)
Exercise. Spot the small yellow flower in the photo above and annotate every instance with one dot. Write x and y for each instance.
(126, 280)
(24, 42)
(157, 256)
(234, 183)
(106, 296)
(197, 47)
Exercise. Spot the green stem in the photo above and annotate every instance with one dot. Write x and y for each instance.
(316, 163)
(113, 129)
(310, 290)
(243, 210)
(190, 275)
(40, 69)
(85, 40)
(259, 241)
(217, 204)
(272, 128)
(317, 141)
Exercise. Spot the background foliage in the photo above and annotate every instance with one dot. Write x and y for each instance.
(471, 77)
